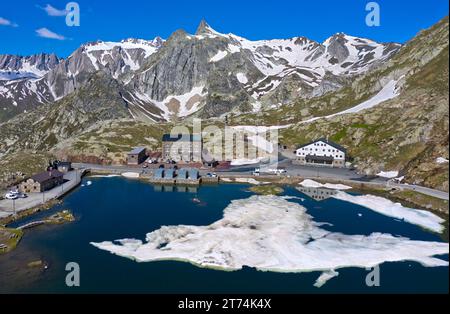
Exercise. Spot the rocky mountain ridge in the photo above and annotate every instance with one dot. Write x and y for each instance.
(207, 73)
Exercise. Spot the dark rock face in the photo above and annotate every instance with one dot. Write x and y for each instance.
(337, 48)
(41, 62)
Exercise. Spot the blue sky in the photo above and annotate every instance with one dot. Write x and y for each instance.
(111, 21)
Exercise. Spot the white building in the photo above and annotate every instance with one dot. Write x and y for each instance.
(321, 152)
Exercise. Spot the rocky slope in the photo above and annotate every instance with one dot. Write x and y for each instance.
(406, 133)
(114, 59)
(13, 67)
(208, 73)
(211, 74)
(277, 82)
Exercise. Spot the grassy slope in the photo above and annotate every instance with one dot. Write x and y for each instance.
(406, 133)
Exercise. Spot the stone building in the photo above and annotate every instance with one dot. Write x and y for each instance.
(137, 156)
(42, 182)
(182, 147)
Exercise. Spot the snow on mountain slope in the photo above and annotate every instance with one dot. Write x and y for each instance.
(130, 52)
(34, 84)
(389, 91)
(340, 54)
(233, 69)
(15, 67)
(172, 106)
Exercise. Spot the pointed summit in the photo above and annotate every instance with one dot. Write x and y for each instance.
(157, 41)
(204, 28)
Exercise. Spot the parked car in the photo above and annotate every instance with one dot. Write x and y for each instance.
(12, 195)
(277, 171)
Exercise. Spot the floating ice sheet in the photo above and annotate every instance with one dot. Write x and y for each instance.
(308, 183)
(273, 234)
(386, 207)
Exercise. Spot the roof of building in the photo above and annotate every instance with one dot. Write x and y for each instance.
(181, 137)
(64, 163)
(322, 139)
(155, 154)
(47, 175)
(136, 150)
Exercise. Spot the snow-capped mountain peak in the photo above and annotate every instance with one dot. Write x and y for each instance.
(14, 67)
(259, 71)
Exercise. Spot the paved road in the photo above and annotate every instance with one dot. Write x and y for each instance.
(8, 207)
(293, 170)
(421, 189)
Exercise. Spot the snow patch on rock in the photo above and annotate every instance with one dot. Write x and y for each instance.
(242, 78)
(388, 174)
(442, 160)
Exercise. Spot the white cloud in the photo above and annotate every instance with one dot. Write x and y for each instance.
(52, 11)
(6, 22)
(46, 33)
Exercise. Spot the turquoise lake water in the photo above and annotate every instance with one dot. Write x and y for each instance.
(116, 208)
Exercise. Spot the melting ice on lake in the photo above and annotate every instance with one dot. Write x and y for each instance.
(273, 234)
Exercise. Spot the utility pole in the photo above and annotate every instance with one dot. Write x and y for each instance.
(14, 207)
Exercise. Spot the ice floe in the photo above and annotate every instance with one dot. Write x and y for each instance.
(105, 176)
(308, 183)
(247, 180)
(132, 175)
(272, 233)
(324, 277)
(243, 180)
(386, 207)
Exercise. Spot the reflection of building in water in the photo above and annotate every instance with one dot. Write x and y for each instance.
(173, 188)
(186, 189)
(163, 188)
(317, 194)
